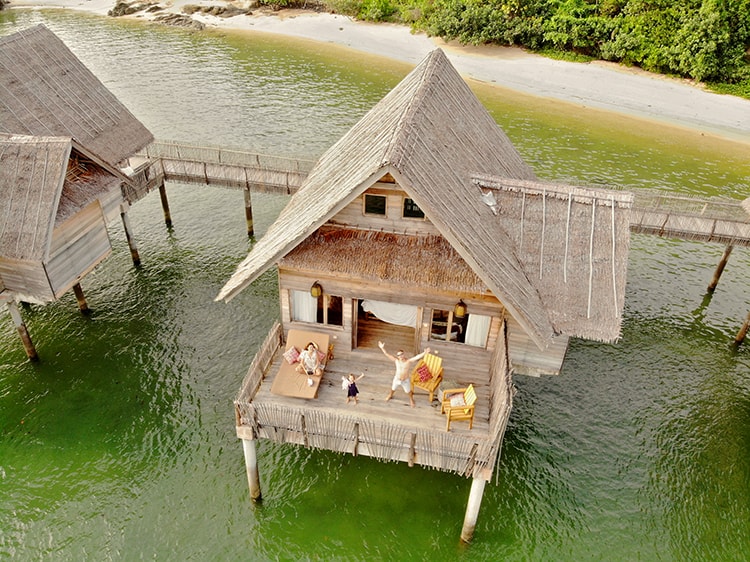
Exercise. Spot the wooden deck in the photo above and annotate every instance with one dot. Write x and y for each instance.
(388, 430)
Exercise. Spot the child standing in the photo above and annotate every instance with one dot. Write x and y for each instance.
(351, 387)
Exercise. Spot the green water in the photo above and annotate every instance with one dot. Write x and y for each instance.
(119, 444)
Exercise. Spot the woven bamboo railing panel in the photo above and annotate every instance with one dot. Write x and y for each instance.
(385, 441)
(332, 433)
(253, 378)
(281, 424)
(445, 451)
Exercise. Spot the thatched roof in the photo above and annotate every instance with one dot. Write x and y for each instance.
(573, 243)
(432, 135)
(43, 181)
(416, 261)
(47, 91)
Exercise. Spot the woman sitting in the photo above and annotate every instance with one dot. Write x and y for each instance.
(309, 361)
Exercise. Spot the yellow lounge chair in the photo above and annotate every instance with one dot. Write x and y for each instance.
(458, 405)
(428, 374)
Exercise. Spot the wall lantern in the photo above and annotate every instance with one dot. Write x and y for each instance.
(459, 311)
(316, 290)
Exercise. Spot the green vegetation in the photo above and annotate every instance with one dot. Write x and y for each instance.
(706, 40)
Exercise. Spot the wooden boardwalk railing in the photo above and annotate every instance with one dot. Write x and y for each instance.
(654, 212)
(715, 219)
(222, 167)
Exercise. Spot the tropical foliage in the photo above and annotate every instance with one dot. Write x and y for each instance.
(707, 40)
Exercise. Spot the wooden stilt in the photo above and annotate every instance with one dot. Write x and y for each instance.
(83, 306)
(22, 331)
(743, 331)
(165, 205)
(134, 255)
(249, 213)
(251, 465)
(472, 509)
(720, 268)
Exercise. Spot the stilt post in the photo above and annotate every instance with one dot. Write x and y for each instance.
(249, 213)
(251, 465)
(22, 331)
(83, 306)
(165, 205)
(720, 268)
(134, 255)
(472, 509)
(743, 331)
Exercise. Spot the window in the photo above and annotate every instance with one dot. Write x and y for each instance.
(326, 309)
(412, 210)
(374, 204)
(446, 327)
(331, 310)
(472, 329)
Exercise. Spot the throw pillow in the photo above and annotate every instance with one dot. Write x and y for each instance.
(291, 355)
(457, 400)
(322, 357)
(424, 373)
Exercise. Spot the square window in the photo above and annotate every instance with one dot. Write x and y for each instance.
(375, 204)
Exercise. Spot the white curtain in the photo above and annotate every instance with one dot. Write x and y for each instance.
(477, 330)
(400, 314)
(304, 307)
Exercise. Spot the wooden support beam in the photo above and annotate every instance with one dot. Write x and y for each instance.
(720, 268)
(83, 306)
(165, 205)
(472, 509)
(251, 466)
(22, 331)
(743, 331)
(129, 236)
(412, 449)
(249, 213)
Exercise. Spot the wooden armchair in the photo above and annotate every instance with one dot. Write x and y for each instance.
(458, 405)
(428, 374)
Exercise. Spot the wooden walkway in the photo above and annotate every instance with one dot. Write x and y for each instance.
(657, 213)
(222, 167)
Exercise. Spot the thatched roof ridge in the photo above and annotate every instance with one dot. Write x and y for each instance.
(574, 244)
(417, 261)
(32, 173)
(47, 91)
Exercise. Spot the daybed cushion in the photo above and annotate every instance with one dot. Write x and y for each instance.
(288, 382)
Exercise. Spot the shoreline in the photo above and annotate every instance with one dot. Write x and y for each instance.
(598, 85)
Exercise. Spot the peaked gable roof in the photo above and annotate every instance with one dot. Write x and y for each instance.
(38, 190)
(430, 133)
(47, 91)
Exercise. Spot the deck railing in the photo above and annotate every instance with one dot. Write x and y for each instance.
(254, 377)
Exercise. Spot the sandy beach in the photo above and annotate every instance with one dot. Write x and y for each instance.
(598, 85)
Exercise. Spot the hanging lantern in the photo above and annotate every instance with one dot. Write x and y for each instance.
(316, 290)
(459, 311)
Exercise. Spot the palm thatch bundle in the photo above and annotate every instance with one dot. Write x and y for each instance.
(416, 261)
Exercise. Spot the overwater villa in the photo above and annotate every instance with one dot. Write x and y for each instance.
(422, 227)
(64, 140)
